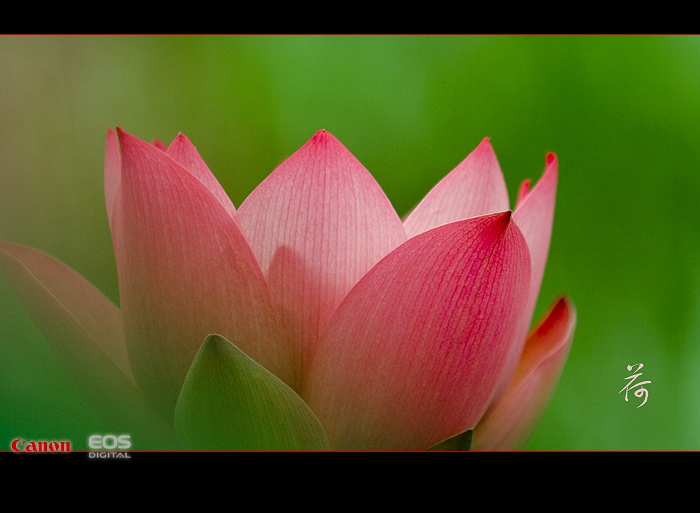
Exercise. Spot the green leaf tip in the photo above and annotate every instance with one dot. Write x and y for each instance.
(230, 402)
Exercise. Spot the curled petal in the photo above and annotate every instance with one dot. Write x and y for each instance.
(413, 354)
(84, 330)
(185, 270)
(474, 188)
(515, 416)
(317, 224)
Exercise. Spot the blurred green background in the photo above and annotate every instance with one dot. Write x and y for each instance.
(621, 113)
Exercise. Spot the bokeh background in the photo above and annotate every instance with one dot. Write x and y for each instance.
(621, 113)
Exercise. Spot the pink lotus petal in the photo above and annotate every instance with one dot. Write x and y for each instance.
(185, 270)
(317, 224)
(516, 415)
(84, 330)
(34, 273)
(534, 217)
(182, 151)
(413, 354)
(475, 187)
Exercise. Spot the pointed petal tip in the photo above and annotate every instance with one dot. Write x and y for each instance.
(180, 137)
(485, 147)
(323, 135)
(503, 217)
(129, 141)
(500, 221)
(123, 135)
(551, 166)
(486, 143)
(563, 301)
(475, 187)
(564, 307)
(561, 317)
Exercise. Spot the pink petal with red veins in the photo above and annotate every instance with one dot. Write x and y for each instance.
(516, 415)
(317, 224)
(185, 271)
(182, 151)
(413, 354)
(475, 187)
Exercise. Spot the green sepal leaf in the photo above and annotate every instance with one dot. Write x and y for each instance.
(230, 402)
(460, 442)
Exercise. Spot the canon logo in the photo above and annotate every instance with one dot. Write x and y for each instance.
(19, 445)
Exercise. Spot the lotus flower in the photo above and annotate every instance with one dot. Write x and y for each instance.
(311, 317)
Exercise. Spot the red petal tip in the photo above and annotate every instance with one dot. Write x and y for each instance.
(551, 157)
(179, 137)
(322, 135)
(563, 302)
(159, 144)
(323, 138)
(504, 217)
(500, 221)
(485, 142)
